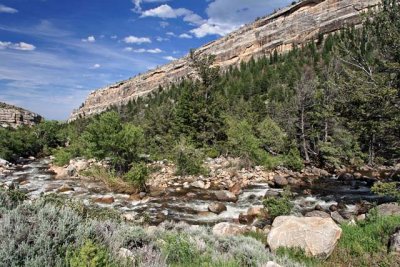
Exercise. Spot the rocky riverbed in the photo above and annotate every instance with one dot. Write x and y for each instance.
(228, 194)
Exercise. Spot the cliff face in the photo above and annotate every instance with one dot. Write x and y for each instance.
(11, 116)
(294, 25)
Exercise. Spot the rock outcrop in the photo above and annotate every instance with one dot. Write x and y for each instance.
(316, 236)
(11, 116)
(292, 26)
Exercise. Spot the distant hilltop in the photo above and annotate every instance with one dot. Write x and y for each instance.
(295, 25)
(12, 116)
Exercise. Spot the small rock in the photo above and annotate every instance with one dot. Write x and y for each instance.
(186, 185)
(71, 170)
(142, 195)
(360, 217)
(126, 254)
(272, 264)
(191, 195)
(357, 175)
(394, 242)
(198, 184)
(255, 211)
(224, 195)
(280, 181)
(345, 177)
(128, 217)
(271, 193)
(64, 188)
(228, 229)
(318, 207)
(317, 213)
(337, 217)
(245, 219)
(236, 189)
(134, 197)
(217, 208)
(104, 199)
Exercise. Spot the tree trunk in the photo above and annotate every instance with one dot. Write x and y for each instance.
(303, 135)
(326, 131)
(371, 154)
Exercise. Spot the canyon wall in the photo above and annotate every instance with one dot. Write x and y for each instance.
(11, 116)
(292, 26)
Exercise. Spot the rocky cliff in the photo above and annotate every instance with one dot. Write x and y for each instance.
(292, 26)
(11, 116)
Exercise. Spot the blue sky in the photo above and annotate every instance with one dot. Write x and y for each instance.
(53, 53)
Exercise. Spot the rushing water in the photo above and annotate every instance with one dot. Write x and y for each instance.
(176, 204)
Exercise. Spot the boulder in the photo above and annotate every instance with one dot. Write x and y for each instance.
(228, 229)
(280, 181)
(224, 195)
(394, 242)
(104, 199)
(4, 163)
(198, 184)
(316, 236)
(216, 208)
(317, 213)
(245, 219)
(60, 172)
(64, 188)
(388, 209)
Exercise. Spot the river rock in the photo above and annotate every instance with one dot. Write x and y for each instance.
(271, 193)
(236, 189)
(60, 172)
(317, 213)
(71, 170)
(272, 264)
(216, 208)
(394, 242)
(245, 219)
(280, 181)
(255, 211)
(104, 199)
(126, 254)
(224, 195)
(198, 184)
(316, 236)
(64, 188)
(4, 163)
(337, 217)
(228, 229)
(388, 209)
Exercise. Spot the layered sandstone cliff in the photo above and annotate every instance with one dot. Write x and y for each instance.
(292, 26)
(11, 116)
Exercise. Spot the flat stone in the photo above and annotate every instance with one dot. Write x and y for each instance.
(228, 229)
(337, 217)
(388, 209)
(198, 184)
(224, 195)
(104, 199)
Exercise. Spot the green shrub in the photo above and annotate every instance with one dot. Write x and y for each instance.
(178, 249)
(89, 254)
(278, 206)
(293, 160)
(272, 136)
(62, 156)
(189, 161)
(137, 176)
(386, 189)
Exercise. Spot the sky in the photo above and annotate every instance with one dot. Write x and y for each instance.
(53, 53)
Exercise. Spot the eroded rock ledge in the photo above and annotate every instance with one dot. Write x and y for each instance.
(11, 116)
(292, 26)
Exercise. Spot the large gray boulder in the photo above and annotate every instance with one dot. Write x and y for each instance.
(316, 236)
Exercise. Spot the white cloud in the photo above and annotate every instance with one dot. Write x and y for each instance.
(185, 36)
(170, 58)
(167, 12)
(7, 9)
(90, 39)
(164, 24)
(142, 50)
(113, 37)
(136, 40)
(225, 16)
(161, 39)
(138, 8)
(17, 46)
(96, 66)
(170, 34)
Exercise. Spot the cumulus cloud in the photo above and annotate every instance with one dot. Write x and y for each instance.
(138, 4)
(167, 12)
(17, 46)
(224, 16)
(185, 36)
(90, 39)
(170, 58)
(7, 9)
(142, 50)
(136, 40)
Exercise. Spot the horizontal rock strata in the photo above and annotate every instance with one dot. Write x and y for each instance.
(292, 26)
(11, 116)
